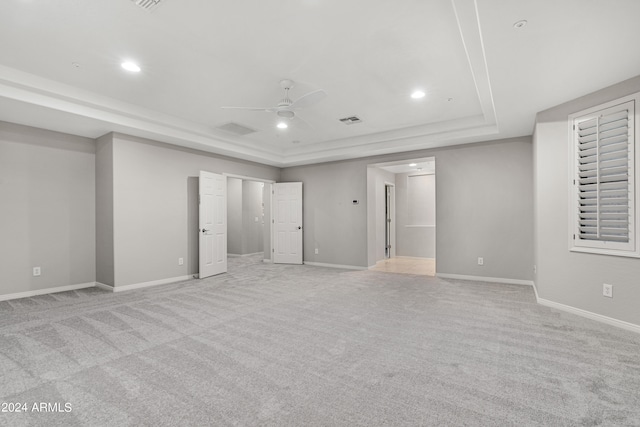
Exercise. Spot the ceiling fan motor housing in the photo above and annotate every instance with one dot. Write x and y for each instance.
(286, 114)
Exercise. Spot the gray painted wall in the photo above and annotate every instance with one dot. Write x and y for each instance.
(484, 206)
(104, 211)
(234, 216)
(331, 222)
(252, 230)
(155, 210)
(48, 180)
(416, 215)
(570, 278)
(47, 218)
(244, 203)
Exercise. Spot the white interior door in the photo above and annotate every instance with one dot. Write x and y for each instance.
(213, 224)
(287, 221)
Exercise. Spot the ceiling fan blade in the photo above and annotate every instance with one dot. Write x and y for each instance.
(309, 99)
(301, 123)
(268, 109)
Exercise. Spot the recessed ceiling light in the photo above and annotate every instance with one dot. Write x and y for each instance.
(418, 94)
(413, 165)
(130, 66)
(520, 24)
(282, 125)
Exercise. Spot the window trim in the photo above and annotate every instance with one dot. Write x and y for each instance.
(604, 247)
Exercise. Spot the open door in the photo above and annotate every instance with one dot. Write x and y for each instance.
(287, 221)
(213, 224)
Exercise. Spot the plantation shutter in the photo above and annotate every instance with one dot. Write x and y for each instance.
(604, 181)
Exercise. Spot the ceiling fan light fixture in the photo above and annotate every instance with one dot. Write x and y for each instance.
(282, 125)
(131, 66)
(418, 94)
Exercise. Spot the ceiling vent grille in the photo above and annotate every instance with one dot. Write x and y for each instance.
(236, 128)
(147, 4)
(351, 120)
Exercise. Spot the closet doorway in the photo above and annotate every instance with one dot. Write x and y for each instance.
(248, 219)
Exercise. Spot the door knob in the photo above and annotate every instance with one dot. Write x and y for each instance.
(299, 228)
(204, 230)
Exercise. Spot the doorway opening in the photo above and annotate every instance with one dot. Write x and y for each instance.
(248, 220)
(402, 216)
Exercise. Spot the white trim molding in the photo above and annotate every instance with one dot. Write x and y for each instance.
(104, 286)
(145, 284)
(486, 279)
(345, 267)
(535, 291)
(243, 255)
(589, 315)
(47, 291)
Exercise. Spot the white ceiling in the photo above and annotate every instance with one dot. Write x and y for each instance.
(484, 79)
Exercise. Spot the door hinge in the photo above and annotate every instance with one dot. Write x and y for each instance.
(199, 199)
(273, 250)
(574, 237)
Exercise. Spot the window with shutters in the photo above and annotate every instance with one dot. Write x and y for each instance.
(604, 214)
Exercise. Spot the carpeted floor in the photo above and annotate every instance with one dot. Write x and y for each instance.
(287, 345)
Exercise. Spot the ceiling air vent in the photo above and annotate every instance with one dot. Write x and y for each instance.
(351, 120)
(147, 4)
(236, 129)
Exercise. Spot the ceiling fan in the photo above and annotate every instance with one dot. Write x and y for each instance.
(286, 107)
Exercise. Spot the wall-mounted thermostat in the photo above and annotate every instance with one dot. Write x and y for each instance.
(356, 202)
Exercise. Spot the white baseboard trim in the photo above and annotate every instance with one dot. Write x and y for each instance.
(589, 315)
(535, 291)
(345, 267)
(148, 284)
(243, 255)
(104, 286)
(486, 279)
(46, 291)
